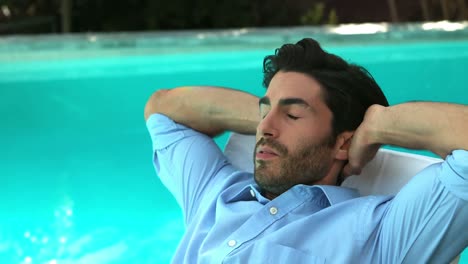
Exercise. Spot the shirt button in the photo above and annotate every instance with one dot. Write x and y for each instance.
(232, 243)
(273, 210)
(252, 193)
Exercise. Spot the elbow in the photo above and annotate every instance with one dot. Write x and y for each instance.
(153, 105)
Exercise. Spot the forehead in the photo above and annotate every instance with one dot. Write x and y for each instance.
(295, 85)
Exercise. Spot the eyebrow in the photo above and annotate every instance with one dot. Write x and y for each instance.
(286, 101)
(264, 101)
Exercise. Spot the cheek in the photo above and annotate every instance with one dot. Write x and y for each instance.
(298, 140)
(313, 134)
(300, 147)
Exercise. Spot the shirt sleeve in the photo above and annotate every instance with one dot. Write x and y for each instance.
(188, 162)
(427, 221)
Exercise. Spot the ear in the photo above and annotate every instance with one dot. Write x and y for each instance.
(343, 141)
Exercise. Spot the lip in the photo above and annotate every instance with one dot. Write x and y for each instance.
(265, 153)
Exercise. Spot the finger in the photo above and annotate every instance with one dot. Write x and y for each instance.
(346, 171)
(349, 170)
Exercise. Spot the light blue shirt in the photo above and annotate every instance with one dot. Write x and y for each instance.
(229, 221)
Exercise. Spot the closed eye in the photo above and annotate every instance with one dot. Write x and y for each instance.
(292, 117)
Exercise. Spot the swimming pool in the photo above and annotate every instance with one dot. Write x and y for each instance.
(76, 175)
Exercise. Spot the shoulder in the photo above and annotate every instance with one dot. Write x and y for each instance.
(453, 173)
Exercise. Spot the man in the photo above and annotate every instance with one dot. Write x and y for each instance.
(321, 119)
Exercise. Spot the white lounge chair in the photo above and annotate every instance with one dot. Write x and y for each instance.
(385, 174)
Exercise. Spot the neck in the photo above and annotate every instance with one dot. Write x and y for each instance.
(333, 176)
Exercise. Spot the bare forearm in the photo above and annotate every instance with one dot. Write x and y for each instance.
(210, 110)
(438, 127)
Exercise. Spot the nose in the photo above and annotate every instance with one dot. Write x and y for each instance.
(268, 126)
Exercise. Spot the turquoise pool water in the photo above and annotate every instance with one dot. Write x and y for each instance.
(77, 183)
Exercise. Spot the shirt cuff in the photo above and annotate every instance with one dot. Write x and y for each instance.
(454, 173)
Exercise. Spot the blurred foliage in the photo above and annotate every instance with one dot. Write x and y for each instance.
(132, 15)
(333, 18)
(152, 15)
(29, 16)
(29, 7)
(141, 15)
(316, 15)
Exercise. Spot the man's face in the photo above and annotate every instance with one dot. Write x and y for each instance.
(294, 142)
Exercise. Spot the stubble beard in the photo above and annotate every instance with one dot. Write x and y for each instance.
(307, 165)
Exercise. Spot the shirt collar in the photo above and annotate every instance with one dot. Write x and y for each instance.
(249, 192)
(338, 194)
(334, 194)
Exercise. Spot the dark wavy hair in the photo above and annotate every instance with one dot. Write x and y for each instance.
(347, 89)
